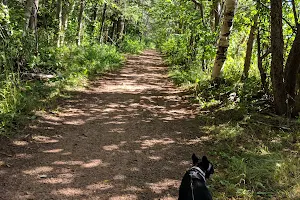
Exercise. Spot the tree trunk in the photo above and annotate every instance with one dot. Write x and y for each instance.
(102, 22)
(249, 49)
(80, 22)
(120, 29)
(67, 11)
(262, 72)
(112, 31)
(295, 12)
(277, 46)
(33, 18)
(215, 14)
(60, 22)
(94, 17)
(223, 42)
(291, 71)
(27, 14)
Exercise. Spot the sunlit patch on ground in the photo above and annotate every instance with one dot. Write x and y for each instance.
(99, 186)
(20, 143)
(38, 170)
(163, 186)
(185, 163)
(145, 144)
(60, 179)
(133, 189)
(44, 139)
(69, 192)
(25, 195)
(110, 147)
(94, 163)
(156, 158)
(53, 151)
(117, 130)
(71, 162)
(23, 156)
(119, 177)
(75, 122)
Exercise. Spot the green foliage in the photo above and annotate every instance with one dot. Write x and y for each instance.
(70, 66)
(10, 100)
(175, 49)
(132, 45)
(254, 158)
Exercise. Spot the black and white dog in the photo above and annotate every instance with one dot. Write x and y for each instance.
(193, 184)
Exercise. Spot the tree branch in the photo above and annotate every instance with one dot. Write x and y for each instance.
(295, 12)
(292, 27)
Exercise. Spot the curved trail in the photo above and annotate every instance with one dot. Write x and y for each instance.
(129, 135)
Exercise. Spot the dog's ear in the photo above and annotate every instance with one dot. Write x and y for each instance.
(195, 159)
(204, 159)
(205, 162)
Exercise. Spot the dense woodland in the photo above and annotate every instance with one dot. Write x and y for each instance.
(242, 55)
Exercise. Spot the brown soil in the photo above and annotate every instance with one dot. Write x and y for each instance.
(129, 135)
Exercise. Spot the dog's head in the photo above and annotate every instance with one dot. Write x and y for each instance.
(203, 164)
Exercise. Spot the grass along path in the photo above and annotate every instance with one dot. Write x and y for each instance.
(130, 135)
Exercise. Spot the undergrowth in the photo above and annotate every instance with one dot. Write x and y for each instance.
(255, 152)
(132, 45)
(255, 155)
(70, 66)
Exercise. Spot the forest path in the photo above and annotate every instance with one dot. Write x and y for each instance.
(129, 135)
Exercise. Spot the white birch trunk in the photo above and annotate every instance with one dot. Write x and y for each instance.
(223, 42)
(27, 15)
(60, 22)
(80, 22)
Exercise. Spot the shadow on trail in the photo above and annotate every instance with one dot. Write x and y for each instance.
(130, 135)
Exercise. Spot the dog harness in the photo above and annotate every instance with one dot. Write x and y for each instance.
(197, 173)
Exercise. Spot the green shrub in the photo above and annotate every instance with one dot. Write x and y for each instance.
(71, 66)
(132, 45)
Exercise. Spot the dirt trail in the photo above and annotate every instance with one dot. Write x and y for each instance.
(129, 135)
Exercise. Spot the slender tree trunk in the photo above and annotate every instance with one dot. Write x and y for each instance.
(223, 42)
(102, 22)
(262, 72)
(120, 29)
(31, 13)
(67, 11)
(34, 27)
(34, 14)
(80, 22)
(291, 71)
(60, 22)
(27, 14)
(94, 17)
(249, 49)
(295, 12)
(277, 46)
(112, 31)
(199, 5)
(215, 14)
